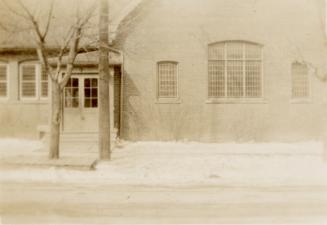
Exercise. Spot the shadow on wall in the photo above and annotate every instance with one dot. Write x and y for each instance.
(146, 120)
(129, 114)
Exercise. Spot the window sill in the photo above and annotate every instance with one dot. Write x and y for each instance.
(168, 101)
(236, 101)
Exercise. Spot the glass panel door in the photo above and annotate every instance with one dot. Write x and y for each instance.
(81, 104)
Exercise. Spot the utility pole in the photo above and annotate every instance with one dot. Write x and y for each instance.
(104, 77)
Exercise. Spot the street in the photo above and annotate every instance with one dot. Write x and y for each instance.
(56, 202)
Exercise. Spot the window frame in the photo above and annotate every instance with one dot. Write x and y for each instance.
(37, 81)
(175, 99)
(243, 98)
(7, 82)
(306, 99)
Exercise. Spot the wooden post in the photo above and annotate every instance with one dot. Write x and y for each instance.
(104, 77)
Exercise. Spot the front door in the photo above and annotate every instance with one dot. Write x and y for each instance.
(80, 104)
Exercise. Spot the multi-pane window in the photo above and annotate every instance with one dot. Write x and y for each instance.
(33, 81)
(28, 81)
(71, 92)
(235, 70)
(3, 81)
(300, 81)
(167, 80)
(90, 92)
(44, 83)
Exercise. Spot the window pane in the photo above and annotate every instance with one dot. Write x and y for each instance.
(3, 73)
(44, 83)
(234, 50)
(253, 78)
(87, 83)
(3, 81)
(3, 89)
(74, 82)
(167, 80)
(29, 73)
(94, 102)
(94, 82)
(234, 79)
(44, 89)
(217, 51)
(87, 92)
(216, 79)
(75, 92)
(28, 89)
(87, 103)
(300, 81)
(28, 81)
(44, 76)
(94, 92)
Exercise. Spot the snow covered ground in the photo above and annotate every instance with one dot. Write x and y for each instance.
(185, 163)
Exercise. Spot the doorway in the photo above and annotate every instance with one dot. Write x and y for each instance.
(80, 104)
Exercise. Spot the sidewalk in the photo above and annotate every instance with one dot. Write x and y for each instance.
(34, 154)
(176, 163)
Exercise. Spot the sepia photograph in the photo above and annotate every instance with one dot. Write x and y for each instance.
(163, 112)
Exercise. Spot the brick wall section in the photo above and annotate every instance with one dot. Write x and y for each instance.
(289, 30)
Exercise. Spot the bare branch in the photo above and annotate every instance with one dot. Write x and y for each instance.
(88, 15)
(33, 21)
(73, 51)
(13, 11)
(48, 20)
(3, 27)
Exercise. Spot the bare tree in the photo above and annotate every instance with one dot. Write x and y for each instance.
(61, 72)
(104, 76)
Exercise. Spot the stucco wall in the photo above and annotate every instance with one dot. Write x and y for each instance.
(22, 119)
(289, 30)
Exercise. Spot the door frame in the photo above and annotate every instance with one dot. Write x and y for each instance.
(81, 97)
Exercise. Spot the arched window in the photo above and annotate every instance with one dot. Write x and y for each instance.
(300, 81)
(235, 70)
(167, 80)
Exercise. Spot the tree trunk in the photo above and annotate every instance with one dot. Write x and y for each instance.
(55, 120)
(104, 112)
